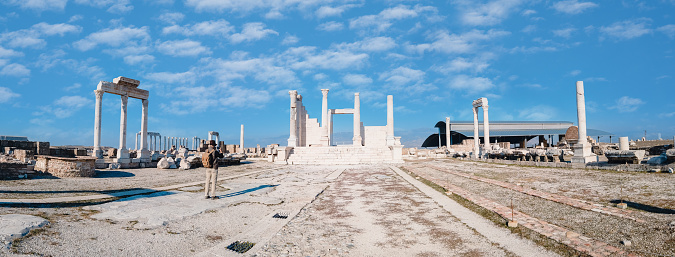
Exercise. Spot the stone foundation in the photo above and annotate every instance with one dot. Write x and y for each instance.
(66, 167)
(14, 170)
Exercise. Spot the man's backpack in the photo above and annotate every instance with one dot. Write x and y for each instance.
(207, 159)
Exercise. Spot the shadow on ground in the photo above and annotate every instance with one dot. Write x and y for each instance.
(113, 174)
(115, 195)
(645, 207)
(246, 191)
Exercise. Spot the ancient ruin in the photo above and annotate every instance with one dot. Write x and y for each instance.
(311, 142)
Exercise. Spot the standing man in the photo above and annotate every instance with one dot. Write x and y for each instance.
(210, 162)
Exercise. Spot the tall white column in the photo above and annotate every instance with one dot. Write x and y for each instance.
(98, 153)
(324, 118)
(357, 140)
(123, 152)
(447, 132)
(581, 112)
(582, 149)
(136, 142)
(293, 138)
(241, 139)
(476, 137)
(145, 154)
(486, 127)
(390, 120)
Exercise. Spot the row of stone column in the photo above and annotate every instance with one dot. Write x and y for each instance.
(175, 141)
(123, 152)
(154, 141)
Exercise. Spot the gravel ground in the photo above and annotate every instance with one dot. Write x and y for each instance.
(655, 236)
(371, 211)
(112, 180)
(93, 231)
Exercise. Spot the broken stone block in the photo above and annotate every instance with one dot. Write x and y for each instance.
(626, 156)
(657, 160)
(163, 164)
(184, 164)
(112, 152)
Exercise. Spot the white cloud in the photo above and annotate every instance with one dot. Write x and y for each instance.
(31, 37)
(239, 67)
(573, 6)
(290, 40)
(356, 79)
(330, 26)
(383, 20)
(627, 29)
(274, 8)
(307, 58)
(566, 33)
(16, 70)
(182, 48)
(460, 64)
(373, 44)
(491, 13)
(6, 94)
(7, 53)
(406, 79)
(529, 28)
(252, 31)
(114, 6)
(53, 29)
(328, 11)
(220, 28)
(82, 67)
(138, 59)
(453, 44)
(74, 87)
(66, 106)
(669, 30)
(538, 113)
(40, 5)
(188, 77)
(627, 104)
(171, 17)
(528, 12)
(113, 37)
(575, 73)
(470, 84)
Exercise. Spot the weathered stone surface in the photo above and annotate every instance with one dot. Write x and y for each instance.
(658, 160)
(14, 226)
(163, 163)
(112, 152)
(184, 164)
(572, 133)
(618, 156)
(66, 167)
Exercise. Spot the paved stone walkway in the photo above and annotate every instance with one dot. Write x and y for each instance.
(562, 235)
(117, 194)
(581, 204)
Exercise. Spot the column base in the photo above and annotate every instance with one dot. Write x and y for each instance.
(145, 155)
(292, 142)
(98, 153)
(583, 154)
(391, 140)
(358, 141)
(325, 141)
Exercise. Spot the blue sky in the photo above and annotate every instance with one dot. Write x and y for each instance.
(212, 65)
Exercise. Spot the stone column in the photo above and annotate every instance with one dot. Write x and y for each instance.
(623, 144)
(98, 153)
(123, 152)
(293, 138)
(390, 121)
(145, 154)
(476, 137)
(241, 139)
(136, 142)
(447, 132)
(357, 140)
(581, 113)
(486, 127)
(324, 118)
(582, 149)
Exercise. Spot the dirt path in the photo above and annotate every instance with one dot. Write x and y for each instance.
(371, 211)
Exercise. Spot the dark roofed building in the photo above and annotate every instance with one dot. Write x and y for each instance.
(514, 132)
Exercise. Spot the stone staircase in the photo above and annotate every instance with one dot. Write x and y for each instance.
(340, 155)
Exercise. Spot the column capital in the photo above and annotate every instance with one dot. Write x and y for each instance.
(145, 102)
(125, 98)
(356, 94)
(485, 108)
(293, 92)
(99, 93)
(324, 91)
